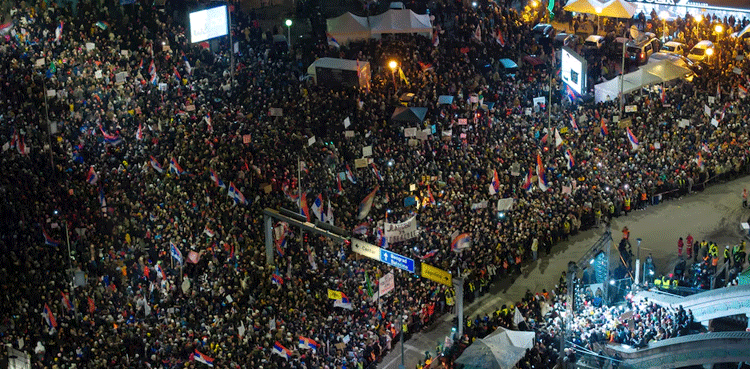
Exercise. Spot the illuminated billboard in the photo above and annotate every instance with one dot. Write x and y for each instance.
(573, 70)
(209, 23)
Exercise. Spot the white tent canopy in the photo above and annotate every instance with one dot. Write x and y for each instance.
(659, 72)
(500, 350)
(401, 21)
(618, 9)
(348, 27)
(584, 6)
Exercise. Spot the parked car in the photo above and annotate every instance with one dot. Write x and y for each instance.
(680, 60)
(674, 47)
(638, 51)
(507, 68)
(565, 39)
(543, 30)
(593, 42)
(701, 51)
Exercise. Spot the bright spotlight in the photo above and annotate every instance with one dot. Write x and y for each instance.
(612, 282)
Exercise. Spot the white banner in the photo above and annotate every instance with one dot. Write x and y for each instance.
(386, 284)
(397, 232)
(505, 204)
(479, 205)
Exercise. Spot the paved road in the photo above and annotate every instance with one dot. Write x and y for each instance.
(714, 214)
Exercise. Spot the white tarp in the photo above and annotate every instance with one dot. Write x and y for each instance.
(348, 27)
(631, 82)
(500, 350)
(402, 231)
(401, 21)
(342, 64)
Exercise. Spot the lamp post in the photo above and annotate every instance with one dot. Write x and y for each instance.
(664, 15)
(289, 32)
(393, 65)
(709, 52)
(598, 12)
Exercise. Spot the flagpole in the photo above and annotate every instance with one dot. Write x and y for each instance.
(549, 109)
(299, 199)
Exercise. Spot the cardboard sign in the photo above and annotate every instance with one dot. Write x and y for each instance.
(737, 71)
(706, 110)
(505, 204)
(683, 123)
(657, 145)
(90, 46)
(625, 123)
(711, 99)
(276, 112)
(631, 108)
(40, 62)
(348, 134)
(121, 77)
(246, 139)
(410, 132)
(190, 108)
(412, 142)
(360, 163)
(163, 87)
(462, 121)
(98, 74)
(310, 141)
(422, 135)
(347, 122)
(367, 151)
(540, 100)
(125, 53)
(51, 93)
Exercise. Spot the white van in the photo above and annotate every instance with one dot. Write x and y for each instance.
(701, 51)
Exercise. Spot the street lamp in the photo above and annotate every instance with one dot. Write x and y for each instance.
(664, 15)
(598, 11)
(289, 32)
(393, 65)
(709, 52)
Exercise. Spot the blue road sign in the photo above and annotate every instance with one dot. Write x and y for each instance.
(396, 260)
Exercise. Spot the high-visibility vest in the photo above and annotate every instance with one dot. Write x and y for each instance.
(657, 282)
(664, 283)
(674, 283)
(627, 203)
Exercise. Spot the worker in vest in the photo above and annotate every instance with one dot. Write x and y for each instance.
(675, 282)
(611, 211)
(727, 255)
(449, 300)
(644, 199)
(626, 207)
(714, 250)
(657, 283)
(689, 244)
(714, 262)
(703, 249)
(680, 245)
(664, 283)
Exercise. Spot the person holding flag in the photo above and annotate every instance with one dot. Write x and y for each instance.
(540, 172)
(175, 252)
(494, 185)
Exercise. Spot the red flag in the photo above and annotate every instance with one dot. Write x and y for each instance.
(92, 307)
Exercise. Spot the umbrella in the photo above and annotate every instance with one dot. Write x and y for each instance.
(618, 9)
(584, 6)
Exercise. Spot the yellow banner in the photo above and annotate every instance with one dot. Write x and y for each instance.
(334, 295)
(437, 275)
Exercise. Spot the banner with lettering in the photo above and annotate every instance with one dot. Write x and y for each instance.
(406, 230)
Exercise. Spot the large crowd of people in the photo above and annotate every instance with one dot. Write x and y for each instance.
(148, 134)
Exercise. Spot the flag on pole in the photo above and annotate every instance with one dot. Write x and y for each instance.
(175, 252)
(478, 33)
(176, 73)
(160, 271)
(461, 242)
(303, 210)
(429, 254)
(571, 160)
(429, 193)
(360, 229)
(741, 91)
(332, 41)
(303, 167)
(208, 232)
(276, 279)
(49, 317)
(329, 214)
(500, 40)
(350, 175)
(541, 173)
(317, 208)
(280, 350)
(155, 164)
(494, 185)
(338, 183)
(203, 358)
(377, 173)
(573, 122)
(102, 199)
(381, 240)
(403, 76)
(92, 177)
(633, 140)
(236, 195)
(334, 295)
(699, 160)
(66, 301)
(366, 204)
(343, 302)
(139, 132)
(558, 139)
(308, 343)
(604, 129)
(663, 95)
(215, 179)
(188, 68)
(527, 182)
(174, 167)
(59, 31)
(48, 240)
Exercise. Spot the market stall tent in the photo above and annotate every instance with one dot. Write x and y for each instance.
(348, 27)
(336, 73)
(401, 21)
(617, 9)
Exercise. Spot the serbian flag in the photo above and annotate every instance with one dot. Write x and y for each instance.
(276, 279)
(49, 317)
(527, 182)
(432, 198)
(215, 179)
(155, 164)
(92, 306)
(281, 245)
(540, 173)
(343, 302)
(338, 183)
(500, 40)
(280, 350)
(573, 122)
(303, 210)
(349, 175)
(175, 252)
(558, 139)
(461, 242)
(494, 185)
(604, 129)
(66, 301)
(332, 41)
(160, 271)
(203, 358)
(59, 31)
(382, 241)
(571, 94)
(307, 343)
(429, 254)
(152, 69)
(366, 204)
(208, 232)
(377, 173)
(741, 91)
(235, 194)
(175, 167)
(48, 240)
(139, 132)
(176, 73)
(663, 95)
(699, 160)
(92, 177)
(317, 207)
(571, 160)
(360, 229)
(633, 140)
(188, 68)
